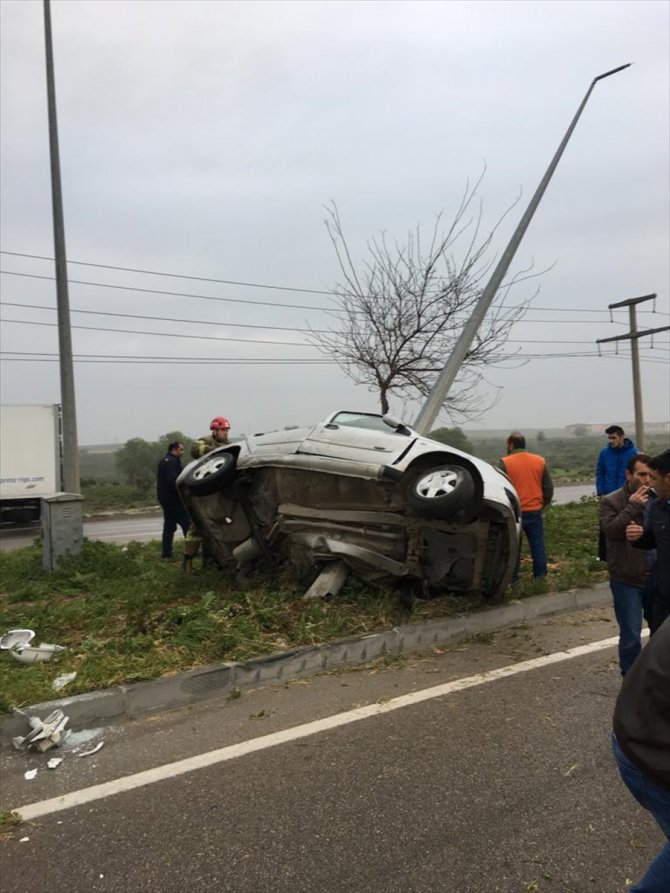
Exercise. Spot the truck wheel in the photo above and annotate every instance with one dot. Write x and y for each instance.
(441, 492)
(210, 474)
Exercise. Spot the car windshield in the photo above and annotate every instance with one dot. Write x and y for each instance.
(362, 420)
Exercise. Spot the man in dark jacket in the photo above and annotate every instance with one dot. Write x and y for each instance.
(641, 744)
(627, 566)
(656, 535)
(174, 513)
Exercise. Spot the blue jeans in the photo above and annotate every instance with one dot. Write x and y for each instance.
(629, 605)
(657, 801)
(531, 523)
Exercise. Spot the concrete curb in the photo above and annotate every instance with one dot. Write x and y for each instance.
(144, 698)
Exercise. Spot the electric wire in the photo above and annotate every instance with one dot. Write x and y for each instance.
(241, 283)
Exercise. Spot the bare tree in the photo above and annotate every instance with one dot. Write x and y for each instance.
(398, 318)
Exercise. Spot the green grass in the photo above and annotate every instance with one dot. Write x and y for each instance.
(124, 615)
(105, 497)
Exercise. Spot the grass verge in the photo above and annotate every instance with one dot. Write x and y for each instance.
(124, 615)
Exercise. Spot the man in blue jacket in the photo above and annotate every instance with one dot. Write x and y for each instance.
(611, 470)
(612, 459)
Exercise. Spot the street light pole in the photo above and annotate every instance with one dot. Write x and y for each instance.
(69, 414)
(440, 389)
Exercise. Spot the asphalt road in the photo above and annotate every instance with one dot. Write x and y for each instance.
(507, 785)
(146, 527)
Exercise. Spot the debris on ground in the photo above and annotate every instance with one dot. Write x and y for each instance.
(30, 774)
(61, 681)
(14, 637)
(89, 753)
(54, 762)
(32, 654)
(44, 734)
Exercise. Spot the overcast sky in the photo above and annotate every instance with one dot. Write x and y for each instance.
(203, 139)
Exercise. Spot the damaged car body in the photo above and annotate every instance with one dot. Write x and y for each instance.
(365, 490)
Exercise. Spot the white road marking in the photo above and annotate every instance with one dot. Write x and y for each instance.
(233, 751)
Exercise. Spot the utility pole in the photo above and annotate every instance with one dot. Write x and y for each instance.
(70, 482)
(633, 337)
(446, 378)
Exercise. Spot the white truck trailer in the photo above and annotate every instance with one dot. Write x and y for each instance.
(30, 459)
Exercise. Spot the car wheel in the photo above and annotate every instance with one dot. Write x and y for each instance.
(441, 492)
(210, 474)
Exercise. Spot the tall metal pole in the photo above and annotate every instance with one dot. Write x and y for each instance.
(634, 336)
(440, 389)
(637, 390)
(69, 421)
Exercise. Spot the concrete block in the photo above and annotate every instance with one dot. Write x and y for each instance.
(592, 598)
(145, 698)
(546, 605)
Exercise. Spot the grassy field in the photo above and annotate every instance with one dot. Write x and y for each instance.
(124, 615)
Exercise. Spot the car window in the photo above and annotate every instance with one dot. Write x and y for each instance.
(361, 420)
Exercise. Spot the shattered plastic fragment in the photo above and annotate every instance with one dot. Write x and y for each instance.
(62, 681)
(54, 762)
(31, 654)
(30, 774)
(14, 637)
(44, 734)
(89, 753)
(24, 840)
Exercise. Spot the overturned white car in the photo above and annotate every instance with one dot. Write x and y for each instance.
(365, 490)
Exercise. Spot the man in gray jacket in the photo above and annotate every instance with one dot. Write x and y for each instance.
(627, 566)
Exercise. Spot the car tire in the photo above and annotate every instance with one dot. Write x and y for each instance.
(445, 492)
(210, 474)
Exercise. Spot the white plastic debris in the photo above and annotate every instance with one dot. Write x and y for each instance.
(61, 681)
(30, 774)
(44, 734)
(89, 753)
(31, 654)
(15, 637)
(24, 840)
(54, 762)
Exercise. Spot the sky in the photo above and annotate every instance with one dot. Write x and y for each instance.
(200, 143)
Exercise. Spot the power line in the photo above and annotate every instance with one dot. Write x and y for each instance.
(174, 294)
(164, 334)
(83, 263)
(331, 293)
(37, 356)
(197, 322)
(167, 361)
(221, 323)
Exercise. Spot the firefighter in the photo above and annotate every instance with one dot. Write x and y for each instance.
(218, 436)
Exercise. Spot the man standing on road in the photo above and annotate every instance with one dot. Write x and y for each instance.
(628, 569)
(219, 429)
(641, 744)
(532, 481)
(656, 535)
(174, 513)
(611, 470)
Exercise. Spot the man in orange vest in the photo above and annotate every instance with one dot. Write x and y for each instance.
(532, 481)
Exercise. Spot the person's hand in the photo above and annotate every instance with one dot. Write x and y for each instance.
(640, 496)
(634, 532)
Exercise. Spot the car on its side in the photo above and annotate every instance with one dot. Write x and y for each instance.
(363, 489)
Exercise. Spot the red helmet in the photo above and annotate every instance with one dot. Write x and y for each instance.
(219, 424)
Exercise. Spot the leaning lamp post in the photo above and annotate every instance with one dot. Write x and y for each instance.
(446, 378)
